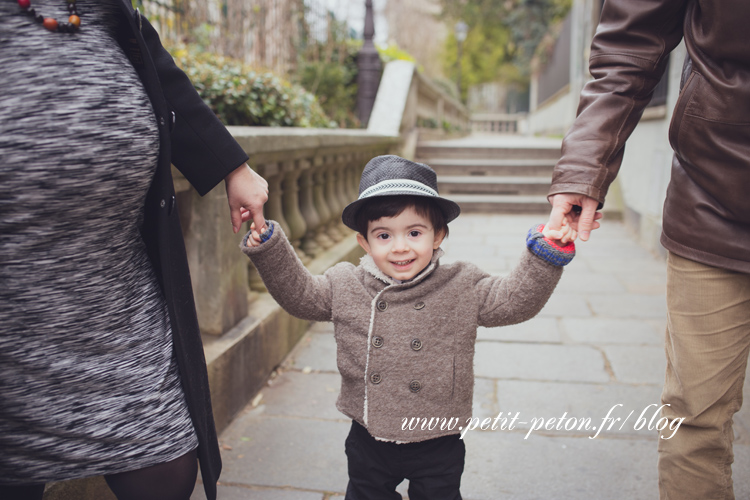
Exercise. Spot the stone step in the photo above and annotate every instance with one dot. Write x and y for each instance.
(542, 167)
(501, 204)
(436, 150)
(471, 184)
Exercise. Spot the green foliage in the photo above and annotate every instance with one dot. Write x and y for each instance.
(333, 80)
(328, 69)
(502, 40)
(241, 95)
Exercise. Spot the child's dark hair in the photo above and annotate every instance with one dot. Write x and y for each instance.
(391, 206)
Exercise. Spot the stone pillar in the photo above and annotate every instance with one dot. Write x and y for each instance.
(333, 200)
(341, 187)
(307, 206)
(321, 205)
(290, 204)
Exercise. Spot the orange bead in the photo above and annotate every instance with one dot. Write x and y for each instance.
(75, 21)
(50, 24)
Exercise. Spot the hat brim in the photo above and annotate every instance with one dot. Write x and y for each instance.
(450, 209)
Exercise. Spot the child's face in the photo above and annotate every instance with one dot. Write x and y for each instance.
(401, 246)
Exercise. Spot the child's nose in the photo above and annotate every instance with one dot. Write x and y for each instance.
(400, 245)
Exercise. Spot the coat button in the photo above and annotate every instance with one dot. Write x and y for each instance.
(163, 203)
(382, 305)
(162, 122)
(172, 203)
(415, 385)
(419, 305)
(375, 378)
(377, 341)
(416, 344)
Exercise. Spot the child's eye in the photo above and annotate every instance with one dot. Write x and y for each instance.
(383, 236)
(414, 233)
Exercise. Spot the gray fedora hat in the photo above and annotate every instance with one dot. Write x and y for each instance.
(390, 175)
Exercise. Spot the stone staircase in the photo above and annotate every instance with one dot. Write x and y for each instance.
(494, 174)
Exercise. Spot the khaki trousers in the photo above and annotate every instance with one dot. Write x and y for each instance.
(707, 342)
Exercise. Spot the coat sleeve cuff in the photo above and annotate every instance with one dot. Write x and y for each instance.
(549, 250)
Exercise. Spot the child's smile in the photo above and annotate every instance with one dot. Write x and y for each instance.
(401, 246)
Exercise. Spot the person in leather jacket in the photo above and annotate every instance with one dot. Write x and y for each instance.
(706, 217)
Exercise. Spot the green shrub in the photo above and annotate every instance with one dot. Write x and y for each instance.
(241, 95)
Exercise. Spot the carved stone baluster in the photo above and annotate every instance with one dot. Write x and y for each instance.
(341, 191)
(307, 208)
(290, 204)
(321, 205)
(333, 201)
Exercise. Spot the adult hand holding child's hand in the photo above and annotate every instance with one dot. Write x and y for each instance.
(566, 234)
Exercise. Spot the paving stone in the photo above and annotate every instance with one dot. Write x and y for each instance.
(629, 305)
(600, 331)
(535, 330)
(643, 283)
(539, 362)
(504, 466)
(485, 400)
(245, 493)
(577, 279)
(319, 353)
(311, 395)
(637, 364)
(538, 402)
(566, 305)
(285, 452)
(648, 265)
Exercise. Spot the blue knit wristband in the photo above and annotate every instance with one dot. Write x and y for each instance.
(266, 235)
(547, 249)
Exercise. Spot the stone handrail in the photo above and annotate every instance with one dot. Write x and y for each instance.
(409, 105)
(499, 123)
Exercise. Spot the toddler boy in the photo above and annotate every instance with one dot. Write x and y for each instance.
(405, 326)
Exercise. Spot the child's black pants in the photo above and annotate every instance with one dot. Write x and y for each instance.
(433, 467)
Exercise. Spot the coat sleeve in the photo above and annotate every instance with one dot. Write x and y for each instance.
(628, 57)
(202, 148)
(300, 293)
(519, 296)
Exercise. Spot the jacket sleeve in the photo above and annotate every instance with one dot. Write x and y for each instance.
(628, 57)
(519, 296)
(202, 148)
(288, 281)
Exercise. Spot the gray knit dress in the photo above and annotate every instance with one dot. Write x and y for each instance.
(88, 380)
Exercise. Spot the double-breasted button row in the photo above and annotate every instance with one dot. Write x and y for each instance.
(414, 385)
(382, 305)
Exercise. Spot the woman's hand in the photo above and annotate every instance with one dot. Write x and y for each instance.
(247, 192)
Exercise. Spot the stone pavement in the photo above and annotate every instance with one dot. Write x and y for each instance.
(597, 344)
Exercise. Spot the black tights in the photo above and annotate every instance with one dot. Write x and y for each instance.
(172, 480)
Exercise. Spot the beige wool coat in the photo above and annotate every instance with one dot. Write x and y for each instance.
(404, 350)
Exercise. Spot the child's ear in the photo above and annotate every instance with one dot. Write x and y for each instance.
(439, 236)
(363, 243)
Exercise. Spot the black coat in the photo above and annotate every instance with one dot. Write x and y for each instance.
(197, 143)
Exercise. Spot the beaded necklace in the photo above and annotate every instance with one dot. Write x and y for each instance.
(73, 24)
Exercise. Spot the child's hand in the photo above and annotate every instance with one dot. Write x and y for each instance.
(564, 235)
(254, 239)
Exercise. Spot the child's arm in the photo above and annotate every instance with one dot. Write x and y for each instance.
(522, 294)
(290, 283)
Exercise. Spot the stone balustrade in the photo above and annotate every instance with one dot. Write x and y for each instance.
(499, 123)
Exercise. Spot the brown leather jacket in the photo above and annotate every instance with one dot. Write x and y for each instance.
(707, 210)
